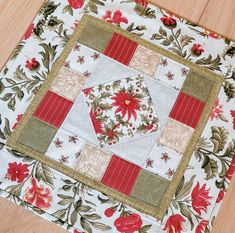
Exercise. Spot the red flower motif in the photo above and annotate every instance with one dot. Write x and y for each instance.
(29, 31)
(17, 172)
(212, 35)
(115, 17)
(232, 112)
(231, 169)
(200, 198)
(109, 212)
(32, 64)
(88, 90)
(129, 223)
(97, 124)
(168, 21)
(216, 110)
(143, 3)
(126, 103)
(197, 49)
(220, 196)
(76, 231)
(76, 4)
(201, 227)
(174, 224)
(38, 195)
(18, 119)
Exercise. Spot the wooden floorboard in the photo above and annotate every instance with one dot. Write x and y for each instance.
(219, 16)
(16, 15)
(15, 219)
(191, 10)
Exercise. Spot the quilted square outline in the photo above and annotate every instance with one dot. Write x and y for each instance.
(133, 202)
(121, 110)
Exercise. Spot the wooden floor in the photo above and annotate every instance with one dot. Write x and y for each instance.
(15, 16)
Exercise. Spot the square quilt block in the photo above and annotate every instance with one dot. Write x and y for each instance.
(121, 109)
(92, 162)
(175, 135)
(101, 111)
(171, 73)
(68, 83)
(163, 161)
(65, 148)
(145, 60)
(121, 175)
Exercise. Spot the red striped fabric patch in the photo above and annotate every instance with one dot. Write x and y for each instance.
(187, 110)
(121, 49)
(53, 109)
(121, 175)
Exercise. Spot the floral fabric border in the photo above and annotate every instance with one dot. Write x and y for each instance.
(29, 183)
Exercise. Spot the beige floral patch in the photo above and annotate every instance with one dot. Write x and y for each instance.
(145, 60)
(93, 162)
(175, 135)
(68, 83)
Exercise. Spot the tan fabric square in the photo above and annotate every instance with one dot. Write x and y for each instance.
(93, 162)
(150, 188)
(175, 135)
(37, 135)
(145, 60)
(95, 37)
(198, 86)
(68, 83)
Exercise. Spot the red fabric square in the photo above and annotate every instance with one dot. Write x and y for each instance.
(121, 175)
(121, 49)
(187, 110)
(53, 109)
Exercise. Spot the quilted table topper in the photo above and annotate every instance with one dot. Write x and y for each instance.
(120, 118)
(124, 115)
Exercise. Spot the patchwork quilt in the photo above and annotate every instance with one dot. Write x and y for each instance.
(118, 117)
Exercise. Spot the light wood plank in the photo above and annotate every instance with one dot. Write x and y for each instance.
(219, 16)
(15, 17)
(191, 10)
(16, 219)
(224, 222)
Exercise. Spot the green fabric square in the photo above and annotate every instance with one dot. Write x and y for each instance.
(37, 135)
(95, 37)
(198, 86)
(150, 188)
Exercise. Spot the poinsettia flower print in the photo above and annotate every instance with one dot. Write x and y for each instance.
(17, 172)
(115, 17)
(201, 227)
(174, 224)
(38, 196)
(128, 223)
(126, 104)
(200, 198)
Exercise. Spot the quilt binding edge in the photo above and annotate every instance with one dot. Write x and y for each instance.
(157, 212)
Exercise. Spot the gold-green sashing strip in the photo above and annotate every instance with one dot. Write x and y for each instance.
(139, 205)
